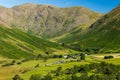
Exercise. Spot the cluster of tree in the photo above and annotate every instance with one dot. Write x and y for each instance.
(57, 56)
(17, 77)
(85, 76)
(48, 54)
(9, 64)
(39, 77)
(108, 57)
(82, 56)
(41, 57)
(92, 50)
(35, 77)
(57, 72)
(14, 62)
(77, 47)
(100, 71)
(65, 45)
(46, 57)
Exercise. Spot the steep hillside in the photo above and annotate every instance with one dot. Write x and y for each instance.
(46, 20)
(103, 34)
(17, 44)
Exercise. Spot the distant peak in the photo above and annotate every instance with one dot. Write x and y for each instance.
(26, 4)
(32, 4)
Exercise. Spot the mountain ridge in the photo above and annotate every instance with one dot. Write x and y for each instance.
(46, 20)
(103, 34)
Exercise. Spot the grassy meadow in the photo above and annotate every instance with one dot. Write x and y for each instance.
(27, 68)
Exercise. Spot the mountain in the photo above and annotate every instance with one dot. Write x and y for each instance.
(47, 21)
(22, 26)
(104, 34)
(16, 44)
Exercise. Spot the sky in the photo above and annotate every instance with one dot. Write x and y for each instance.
(102, 6)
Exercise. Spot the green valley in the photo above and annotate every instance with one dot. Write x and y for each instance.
(17, 44)
(103, 34)
(45, 42)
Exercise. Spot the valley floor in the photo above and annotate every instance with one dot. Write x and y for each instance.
(27, 68)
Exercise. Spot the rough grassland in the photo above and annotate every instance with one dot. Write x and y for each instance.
(26, 69)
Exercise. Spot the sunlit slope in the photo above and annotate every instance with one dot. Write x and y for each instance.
(47, 21)
(17, 44)
(103, 34)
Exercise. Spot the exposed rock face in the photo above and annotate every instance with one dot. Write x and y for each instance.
(46, 20)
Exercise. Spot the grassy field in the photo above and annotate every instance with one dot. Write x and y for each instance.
(26, 69)
(16, 44)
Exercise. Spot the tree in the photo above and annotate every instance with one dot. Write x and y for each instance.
(87, 50)
(48, 51)
(84, 76)
(58, 71)
(118, 76)
(17, 77)
(60, 56)
(64, 45)
(82, 56)
(67, 78)
(37, 65)
(47, 77)
(45, 58)
(55, 56)
(108, 57)
(13, 61)
(107, 71)
(93, 77)
(74, 77)
(39, 56)
(36, 77)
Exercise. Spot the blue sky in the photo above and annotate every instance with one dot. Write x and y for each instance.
(102, 6)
